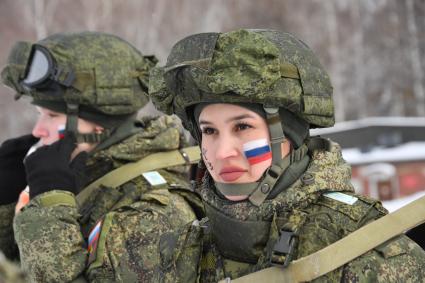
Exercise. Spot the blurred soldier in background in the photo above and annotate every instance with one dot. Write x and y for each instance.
(81, 222)
(272, 193)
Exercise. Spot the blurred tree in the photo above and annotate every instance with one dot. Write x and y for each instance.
(416, 58)
(373, 49)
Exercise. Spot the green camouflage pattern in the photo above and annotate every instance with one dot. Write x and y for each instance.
(52, 238)
(14, 70)
(318, 220)
(329, 171)
(9, 272)
(244, 63)
(244, 66)
(111, 75)
(7, 239)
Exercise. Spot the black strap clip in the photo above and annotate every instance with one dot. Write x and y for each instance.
(64, 76)
(284, 248)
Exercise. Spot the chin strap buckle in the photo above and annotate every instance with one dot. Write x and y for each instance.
(284, 248)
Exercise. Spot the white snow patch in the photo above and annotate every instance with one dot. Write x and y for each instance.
(369, 122)
(393, 205)
(412, 151)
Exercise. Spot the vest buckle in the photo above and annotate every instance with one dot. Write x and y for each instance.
(284, 248)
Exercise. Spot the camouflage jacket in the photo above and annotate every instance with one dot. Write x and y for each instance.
(7, 239)
(113, 235)
(319, 208)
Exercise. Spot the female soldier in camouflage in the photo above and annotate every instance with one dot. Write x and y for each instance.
(271, 192)
(93, 83)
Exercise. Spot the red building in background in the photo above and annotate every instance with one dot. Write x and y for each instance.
(387, 156)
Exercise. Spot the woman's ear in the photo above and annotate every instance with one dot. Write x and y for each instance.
(285, 147)
(98, 129)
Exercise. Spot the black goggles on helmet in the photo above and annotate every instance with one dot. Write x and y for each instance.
(42, 70)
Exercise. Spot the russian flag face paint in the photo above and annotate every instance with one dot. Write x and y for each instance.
(61, 131)
(257, 151)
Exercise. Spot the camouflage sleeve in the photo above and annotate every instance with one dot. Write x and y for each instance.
(398, 260)
(125, 248)
(51, 245)
(7, 238)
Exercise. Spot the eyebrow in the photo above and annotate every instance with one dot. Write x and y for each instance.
(239, 117)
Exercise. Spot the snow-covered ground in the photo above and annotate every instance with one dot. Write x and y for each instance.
(395, 204)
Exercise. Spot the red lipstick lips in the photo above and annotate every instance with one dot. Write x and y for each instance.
(231, 173)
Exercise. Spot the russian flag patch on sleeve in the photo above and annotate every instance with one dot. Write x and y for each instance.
(257, 151)
(93, 240)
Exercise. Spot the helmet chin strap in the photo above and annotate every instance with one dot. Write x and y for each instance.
(272, 174)
(72, 126)
(258, 191)
(72, 118)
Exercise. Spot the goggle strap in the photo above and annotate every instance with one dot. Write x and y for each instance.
(65, 76)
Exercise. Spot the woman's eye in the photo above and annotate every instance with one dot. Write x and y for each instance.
(242, 126)
(208, 131)
(53, 115)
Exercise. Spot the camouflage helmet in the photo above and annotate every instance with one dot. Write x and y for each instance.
(93, 75)
(268, 67)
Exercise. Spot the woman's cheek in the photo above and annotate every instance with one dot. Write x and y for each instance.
(257, 151)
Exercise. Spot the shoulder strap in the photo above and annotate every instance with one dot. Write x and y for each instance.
(343, 251)
(127, 172)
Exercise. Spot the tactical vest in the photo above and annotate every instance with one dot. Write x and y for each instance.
(125, 198)
(238, 238)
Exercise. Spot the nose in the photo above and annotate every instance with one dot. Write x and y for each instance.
(39, 131)
(227, 147)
